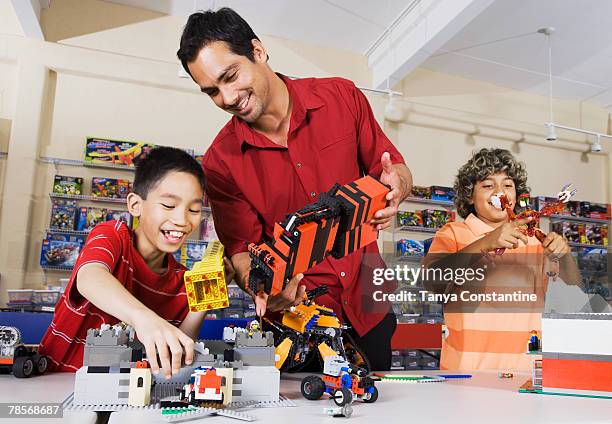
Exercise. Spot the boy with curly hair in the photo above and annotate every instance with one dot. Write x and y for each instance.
(492, 340)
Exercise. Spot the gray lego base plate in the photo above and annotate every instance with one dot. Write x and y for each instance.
(165, 391)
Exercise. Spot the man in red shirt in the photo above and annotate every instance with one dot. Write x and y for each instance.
(131, 276)
(289, 141)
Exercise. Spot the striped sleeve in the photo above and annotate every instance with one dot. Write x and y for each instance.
(103, 246)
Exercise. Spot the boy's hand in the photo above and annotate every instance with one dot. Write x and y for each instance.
(555, 246)
(160, 337)
(292, 295)
(506, 236)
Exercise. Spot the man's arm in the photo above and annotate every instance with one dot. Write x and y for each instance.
(192, 323)
(101, 288)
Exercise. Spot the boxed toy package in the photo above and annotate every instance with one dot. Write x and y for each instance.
(409, 219)
(596, 234)
(421, 192)
(433, 218)
(442, 193)
(90, 217)
(110, 188)
(63, 214)
(190, 253)
(116, 152)
(68, 185)
(407, 247)
(574, 232)
(123, 216)
(60, 250)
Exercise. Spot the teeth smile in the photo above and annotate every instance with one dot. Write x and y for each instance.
(173, 234)
(243, 103)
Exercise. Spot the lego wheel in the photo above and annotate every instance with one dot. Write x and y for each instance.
(42, 363)
(343, 396)
(23, 367)
(312, 387)
(371, 397)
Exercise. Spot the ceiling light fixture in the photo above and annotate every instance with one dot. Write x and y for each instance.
(550, 128)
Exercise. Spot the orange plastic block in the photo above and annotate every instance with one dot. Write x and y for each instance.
(577, 374)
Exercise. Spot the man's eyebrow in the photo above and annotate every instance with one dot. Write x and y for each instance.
(220, 77)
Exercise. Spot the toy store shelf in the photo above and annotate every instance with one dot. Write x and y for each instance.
(57, 268)
(83, 197)
(578, 218)
(446, 203)
(415, 258)
(417, 336)
(409, 228)
(67, 232)
(597, 246)
(73, 162)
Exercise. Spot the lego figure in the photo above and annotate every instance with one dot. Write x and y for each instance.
(534, 341)
(209, 385)
(254, 327)
(342, 381)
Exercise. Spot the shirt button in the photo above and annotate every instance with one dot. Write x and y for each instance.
(342, 274)
(299, 165)
(313, 194)
(346, 302)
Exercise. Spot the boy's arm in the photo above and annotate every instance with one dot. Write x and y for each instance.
(192, 323)
(102, 289)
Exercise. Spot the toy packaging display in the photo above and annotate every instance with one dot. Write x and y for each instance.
(572, 231)
(409, 248)
(580, 209)
(190, 253)
(60, 250)
(117, 215)
(63, 214)
(409, 219)
(207, 229)
(68, 185)
(433, 218)
(442, 193)
(89, 217)
(596, 234)
(110, 188)
(421, 192)
(116, 152)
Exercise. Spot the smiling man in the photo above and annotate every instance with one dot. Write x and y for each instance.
(287, 142)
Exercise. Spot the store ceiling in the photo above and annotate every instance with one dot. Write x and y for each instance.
(582, 42)
(581, 48)
(352, 25)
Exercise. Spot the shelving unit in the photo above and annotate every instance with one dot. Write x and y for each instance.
(556, 218)
(88, 198)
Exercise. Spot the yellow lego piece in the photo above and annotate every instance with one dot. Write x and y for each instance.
(205, 284)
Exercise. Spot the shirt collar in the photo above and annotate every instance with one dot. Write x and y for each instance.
(477, 226)
(303, 100)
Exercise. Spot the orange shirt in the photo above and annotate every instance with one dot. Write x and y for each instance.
(491, 340)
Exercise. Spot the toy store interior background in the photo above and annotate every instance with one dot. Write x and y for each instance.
(83, 79)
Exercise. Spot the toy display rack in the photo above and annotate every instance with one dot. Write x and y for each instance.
(578, 218)
(445, 203)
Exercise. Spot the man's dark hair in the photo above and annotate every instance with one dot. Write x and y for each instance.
(158, 163)
(204, 28)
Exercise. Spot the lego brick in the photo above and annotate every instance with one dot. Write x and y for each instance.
(255, 339)
(258, 384)
(99, 388)
(140, 387)
(578, 316)
(582, 336)
(260, 356)
(577, 374)
(577, 356)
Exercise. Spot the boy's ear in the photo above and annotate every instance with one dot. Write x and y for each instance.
(134, 204)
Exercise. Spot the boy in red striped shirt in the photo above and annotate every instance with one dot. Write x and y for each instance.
(131, 276)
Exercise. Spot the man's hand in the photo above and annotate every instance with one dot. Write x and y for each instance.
(159, 336)
(400, 188)
(230, 272)
(292, 295)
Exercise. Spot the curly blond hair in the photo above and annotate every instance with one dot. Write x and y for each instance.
(482, 164)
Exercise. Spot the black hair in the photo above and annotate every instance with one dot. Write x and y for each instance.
(159, 162)
(225, 25)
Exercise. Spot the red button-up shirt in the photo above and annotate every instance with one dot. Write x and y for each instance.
(253, 183)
